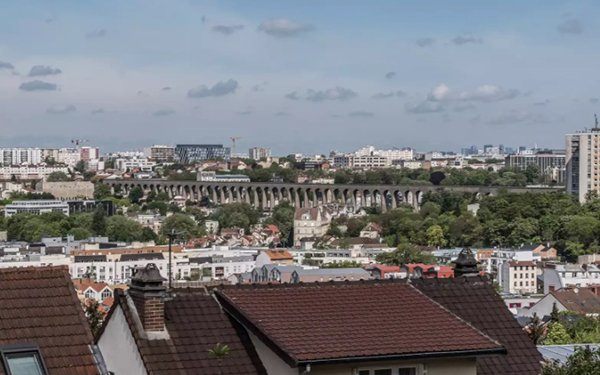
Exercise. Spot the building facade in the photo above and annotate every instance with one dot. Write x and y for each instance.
(258, 153)
(20, 156)
(550, 165)
(519, 277)
(583, 150)
(66, 189)
(89, 153)
(29, 172)
(36, 207)
(190, 153)
(160, 153)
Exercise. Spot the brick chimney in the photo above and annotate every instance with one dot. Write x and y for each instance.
(148, 293)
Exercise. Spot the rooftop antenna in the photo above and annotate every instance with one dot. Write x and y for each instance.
(596, 123)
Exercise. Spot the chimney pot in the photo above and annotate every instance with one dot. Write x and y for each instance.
(148, 293)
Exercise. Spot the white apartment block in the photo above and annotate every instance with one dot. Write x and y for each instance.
(20, 156)
(124, 164)
(583, 151)
(519, 277)
(372, 162)
(501, 256)
(258, 153)
(36, 207)
(404, 154)
(570, 275)
(68, 156)
(160, 153)
(30, 172)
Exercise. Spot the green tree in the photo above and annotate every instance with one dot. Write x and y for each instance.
(536, 330)
(554, 315)
(120, 228)
(136, 194)
(99, 221)
(435, 236)
(148, 235)
(334, 231)
(80, 166)
(283, 217)
(58, 176)
(183, 224)
(557, 335)
(405, 254)
(93, 314)
(80, 233)
(585, 361)
(101, 191)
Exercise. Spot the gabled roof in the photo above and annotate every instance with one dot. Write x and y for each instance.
(98, 287)
(40, 306)
(332, 271)
(582, 301)
(475, 300)
(351, 321)
(195, 323)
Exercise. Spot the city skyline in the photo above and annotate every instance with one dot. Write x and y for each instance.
(304, 77)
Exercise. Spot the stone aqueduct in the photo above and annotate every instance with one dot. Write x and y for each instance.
(267, 195)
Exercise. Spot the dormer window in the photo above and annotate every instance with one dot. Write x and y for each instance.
(23, 360)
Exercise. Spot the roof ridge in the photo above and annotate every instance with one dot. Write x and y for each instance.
(33, 269)
(313, 284)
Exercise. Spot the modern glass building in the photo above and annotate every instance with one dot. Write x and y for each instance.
(188, 154)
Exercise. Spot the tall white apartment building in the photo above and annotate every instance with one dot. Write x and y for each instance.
(583, 151)
(20, 156)
(68, 156)
(258, 153)
(160, 153)
(404, 154)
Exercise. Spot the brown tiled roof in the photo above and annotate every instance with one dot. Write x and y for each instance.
(475, 300)
(583, 301)
(195, 323)
(329, 322)
(40, 306)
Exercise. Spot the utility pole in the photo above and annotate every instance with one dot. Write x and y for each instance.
(172, 235)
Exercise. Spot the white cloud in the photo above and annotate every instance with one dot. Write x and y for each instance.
(41, 70)
(61, 109)
(37, 86)
(283, 27)
(484, 93)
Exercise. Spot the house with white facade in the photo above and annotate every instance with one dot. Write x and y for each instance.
(570, 275)
(311, 222)
(519, 277)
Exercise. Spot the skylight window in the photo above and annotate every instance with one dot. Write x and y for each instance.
(23, 360)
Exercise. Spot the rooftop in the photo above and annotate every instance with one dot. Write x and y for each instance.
(341, 322)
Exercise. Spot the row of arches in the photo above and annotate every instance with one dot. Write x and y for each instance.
(267, 197)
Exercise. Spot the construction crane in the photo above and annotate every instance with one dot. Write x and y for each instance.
(233, 139)
(77, 142)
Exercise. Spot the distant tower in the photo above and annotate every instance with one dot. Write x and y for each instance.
(466, 264)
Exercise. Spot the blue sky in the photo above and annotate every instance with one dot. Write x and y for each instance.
(298, 76)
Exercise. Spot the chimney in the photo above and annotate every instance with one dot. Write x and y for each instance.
(466, 264)
(148, 293)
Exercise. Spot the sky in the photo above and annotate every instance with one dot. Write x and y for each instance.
(307, 76)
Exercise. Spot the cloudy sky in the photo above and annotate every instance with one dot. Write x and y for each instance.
(297, 76)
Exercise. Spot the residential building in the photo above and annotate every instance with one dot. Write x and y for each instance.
(20, 156)
(160, 153)
(519, 277)
(562, 276)
(258, 153)
(372, 230)
(420, 270)
(129, 164)
(212, 226)
(343, 349)
(89, 153)
(395, 154)
(547, 163)
(503, 255)
(475, 300)
(223, 267)
(136, 339)
(381, 271)
(69, 157)
(583, 150)
(44, 330)
(310, 222)
(66, 189)
(575, 300)
(81, 206)
(274, 256)
(193, 153)
(37, 207)
(25, 172)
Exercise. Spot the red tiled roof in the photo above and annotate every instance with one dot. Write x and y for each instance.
(98, 287)
(195, 323)
(474, 300)
(329, 322)
(108, 302)
(279, 254)
(40, 306)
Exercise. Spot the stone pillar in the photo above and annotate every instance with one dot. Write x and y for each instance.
(256, 202)
(222, 191)
(383, 202)
(394, 196)
(246, 195)
(296, 198)
(305, 198)
(353, 196)
(265, 204)
(214, 194)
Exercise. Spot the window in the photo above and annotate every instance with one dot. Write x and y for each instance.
(106, 293)
(386, 371)
(533, 275)
(521, 283)
(23, 360)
